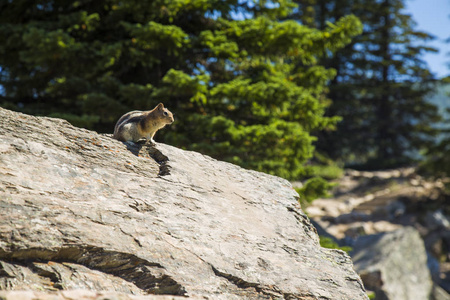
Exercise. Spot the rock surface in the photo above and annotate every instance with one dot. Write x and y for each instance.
(80, 211)
(394, 265)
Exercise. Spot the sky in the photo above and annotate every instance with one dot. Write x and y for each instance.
(433, 17)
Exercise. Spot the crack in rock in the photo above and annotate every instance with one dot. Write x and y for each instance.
(300, 216)
(270, 293)
(147, 276)
(266, 292)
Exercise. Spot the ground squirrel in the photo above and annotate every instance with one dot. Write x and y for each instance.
(136, 125)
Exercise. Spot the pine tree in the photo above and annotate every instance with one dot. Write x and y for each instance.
(437, 157)
(380, 86)
(244, 86)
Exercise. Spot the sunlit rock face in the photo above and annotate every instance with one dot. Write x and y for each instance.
(81, 211)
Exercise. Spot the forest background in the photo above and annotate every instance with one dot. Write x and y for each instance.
(298, 89)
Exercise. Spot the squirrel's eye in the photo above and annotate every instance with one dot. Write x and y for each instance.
(165, 113)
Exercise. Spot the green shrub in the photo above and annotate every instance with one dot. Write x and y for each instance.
(314, 188)
(327, 242)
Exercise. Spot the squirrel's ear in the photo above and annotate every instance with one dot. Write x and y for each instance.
(160, 106)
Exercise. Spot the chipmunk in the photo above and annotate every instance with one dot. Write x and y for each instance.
(136, 125)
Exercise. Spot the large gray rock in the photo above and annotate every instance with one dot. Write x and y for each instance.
(79, 211)
(394, 265)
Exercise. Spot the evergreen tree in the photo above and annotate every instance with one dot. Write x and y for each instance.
(380, 86)
(437, 162)
(244, 86)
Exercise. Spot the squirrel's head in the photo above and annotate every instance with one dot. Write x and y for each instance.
(164, 114)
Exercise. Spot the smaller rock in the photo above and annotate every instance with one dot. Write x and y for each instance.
(439, 294)
(394, 265)
(437, 220)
